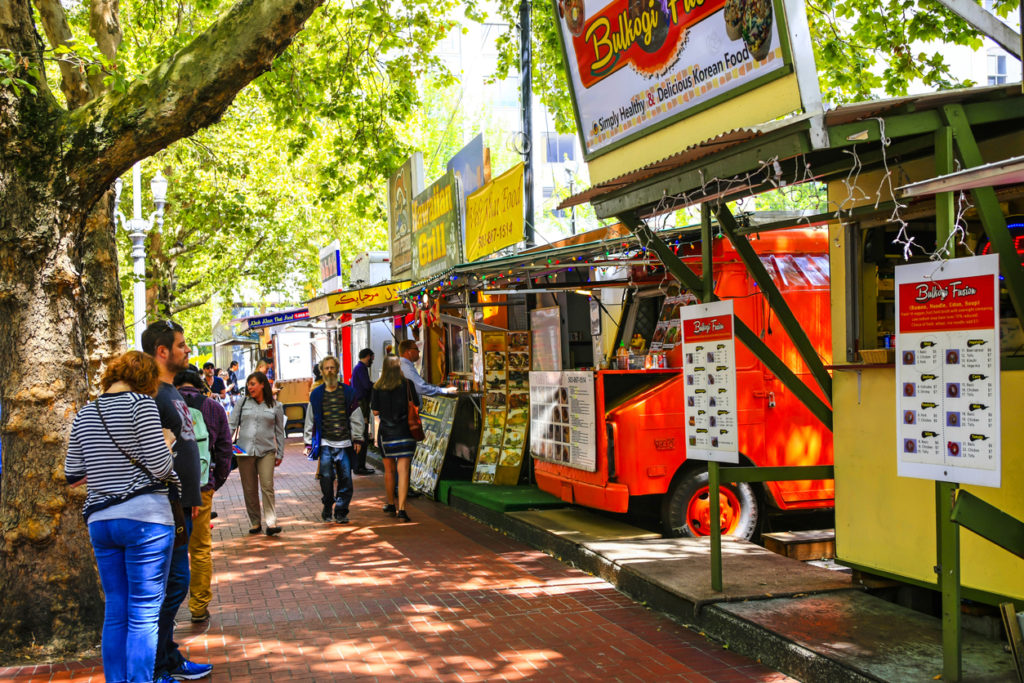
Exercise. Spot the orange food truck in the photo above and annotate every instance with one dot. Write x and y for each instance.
(638, 444)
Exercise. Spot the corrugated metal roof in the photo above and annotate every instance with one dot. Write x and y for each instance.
(846, 113)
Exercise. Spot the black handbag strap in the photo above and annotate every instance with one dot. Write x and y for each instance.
(172, 489)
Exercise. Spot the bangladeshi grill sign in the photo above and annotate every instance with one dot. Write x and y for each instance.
(709, 388)
(635, 64)
(436, 237)
(947, 371)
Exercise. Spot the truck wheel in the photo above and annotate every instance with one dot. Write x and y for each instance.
(686, 508)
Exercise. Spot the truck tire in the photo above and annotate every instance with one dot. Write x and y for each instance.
(685, 509)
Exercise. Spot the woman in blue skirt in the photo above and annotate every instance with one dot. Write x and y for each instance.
(390, 401)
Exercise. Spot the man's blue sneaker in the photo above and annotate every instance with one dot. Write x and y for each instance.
(190, 671)
(166, 678)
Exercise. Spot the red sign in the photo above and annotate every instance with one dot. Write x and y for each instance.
(947, 305)
(712, 328)
(639, 34)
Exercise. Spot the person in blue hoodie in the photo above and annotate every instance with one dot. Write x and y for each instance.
(334, 428)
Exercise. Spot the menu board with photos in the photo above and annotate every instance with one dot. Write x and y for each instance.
(494, 346)
(517, 419)
(947, 371)
(562, 418)
(668, 332)
(506, 405)
(437, 414)
(709, 392)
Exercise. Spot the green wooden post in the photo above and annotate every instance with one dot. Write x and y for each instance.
(948, 551)
(944, 215)
(706, 244)
(714, 483)
(716, 527)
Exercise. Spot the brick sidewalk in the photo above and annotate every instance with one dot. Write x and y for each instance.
(443, 598)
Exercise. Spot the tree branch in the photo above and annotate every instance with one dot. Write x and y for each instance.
(188, 91)
(192, 304)
(72, 79)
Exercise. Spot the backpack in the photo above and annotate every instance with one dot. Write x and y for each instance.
(203, 442)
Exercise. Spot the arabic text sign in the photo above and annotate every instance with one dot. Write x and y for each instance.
(272, 319)
(709, 366)
(947, 371)
(634, 65)
(436, 238)
(357, 298)
(494, 215)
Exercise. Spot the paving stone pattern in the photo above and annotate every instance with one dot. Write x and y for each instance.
(442, 598)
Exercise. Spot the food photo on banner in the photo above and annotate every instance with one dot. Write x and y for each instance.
(634, 66)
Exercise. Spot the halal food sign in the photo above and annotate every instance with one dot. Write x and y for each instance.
(636, 63)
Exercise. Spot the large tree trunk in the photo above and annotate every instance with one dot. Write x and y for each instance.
(47, 579)
(61, 314)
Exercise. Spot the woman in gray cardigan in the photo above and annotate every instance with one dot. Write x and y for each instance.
(259, 421)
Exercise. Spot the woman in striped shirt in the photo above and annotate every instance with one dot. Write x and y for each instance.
(126, 507)
(390, 400)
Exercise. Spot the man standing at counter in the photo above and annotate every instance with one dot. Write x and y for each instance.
(409, 350)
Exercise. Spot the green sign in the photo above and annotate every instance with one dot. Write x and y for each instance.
(436, 237)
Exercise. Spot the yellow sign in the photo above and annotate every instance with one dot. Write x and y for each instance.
(494, 215)
(353, 299)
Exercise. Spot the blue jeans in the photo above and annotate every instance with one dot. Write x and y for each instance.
(336, 466)
(133, 559)
(167, 656)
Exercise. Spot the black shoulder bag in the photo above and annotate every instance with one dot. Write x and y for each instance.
(173, 494)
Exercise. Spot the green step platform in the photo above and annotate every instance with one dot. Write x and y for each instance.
(498, 498)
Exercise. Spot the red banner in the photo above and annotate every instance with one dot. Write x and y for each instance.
(648, 39)
(713, 328)
(947, 305)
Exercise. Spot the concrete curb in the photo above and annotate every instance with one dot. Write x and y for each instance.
(741, 636)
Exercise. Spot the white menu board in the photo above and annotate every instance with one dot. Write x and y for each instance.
(947, 370)
(709, 365)
(562, 424)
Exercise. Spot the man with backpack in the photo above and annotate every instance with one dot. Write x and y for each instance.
(214, 439)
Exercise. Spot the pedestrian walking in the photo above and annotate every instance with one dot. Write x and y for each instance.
(215, 466)
(165, 342)
(214, 384)
(332, 432)
(390, 401)
(232, 382)
(117, 447)
(363, 388)
(258, 422)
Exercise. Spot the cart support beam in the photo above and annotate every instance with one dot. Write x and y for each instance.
(989, 522)
(747, 336)
(948, 568)
(775, 300)
(992, 218)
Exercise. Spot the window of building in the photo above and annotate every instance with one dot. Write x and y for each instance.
(560, 148)
(996, 68)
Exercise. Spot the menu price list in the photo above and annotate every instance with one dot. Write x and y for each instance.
(562, 418)
(437, 414)
(709, 388)
(947, 371)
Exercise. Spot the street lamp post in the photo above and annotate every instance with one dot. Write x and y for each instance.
(570, 175)
(137, 228)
